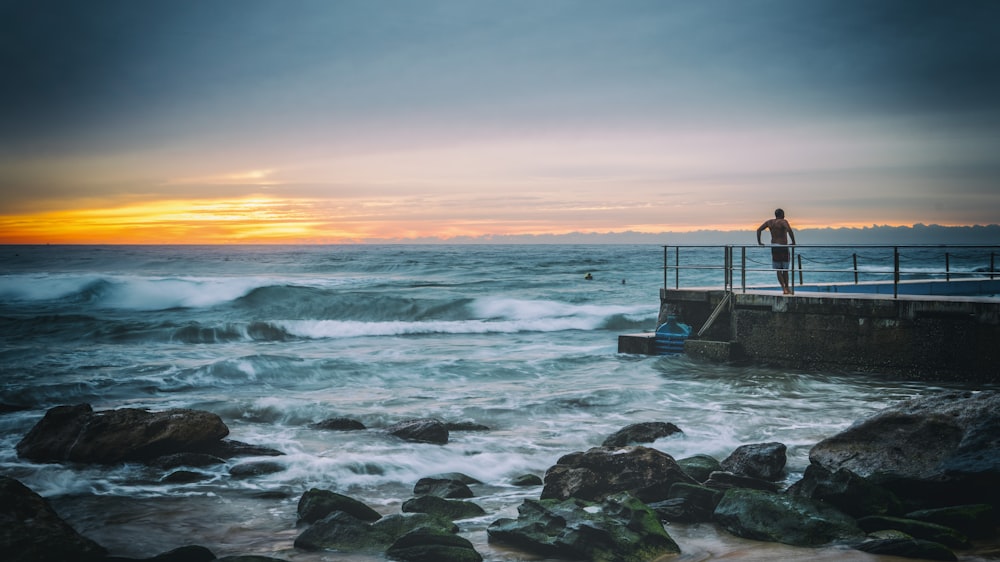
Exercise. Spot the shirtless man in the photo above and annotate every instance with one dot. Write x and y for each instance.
(781, 231)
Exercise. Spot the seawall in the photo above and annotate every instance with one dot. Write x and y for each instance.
(913, 336)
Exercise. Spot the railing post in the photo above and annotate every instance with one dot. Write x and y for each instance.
(947, 267)
(677, 267)
(855, 256)
(992, 267)
(743, 268)
(665, 250)
(800, 268)
(895, 272)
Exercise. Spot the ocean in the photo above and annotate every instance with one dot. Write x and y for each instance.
(276, 338)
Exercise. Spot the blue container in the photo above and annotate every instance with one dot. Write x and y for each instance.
(670, 337)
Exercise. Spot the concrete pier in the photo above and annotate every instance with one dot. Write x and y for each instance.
(922, 337)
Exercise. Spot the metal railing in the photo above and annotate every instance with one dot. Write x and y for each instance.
(746, 267)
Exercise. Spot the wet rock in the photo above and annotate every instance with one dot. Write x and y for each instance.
(700, 467)
(230, 448)
(339, 424)
(427, 545)
(457, 477)
(447, 509)
(688, 503)
(341, 531)
(421, 431)
(466, 426)
(794, 520)
(602, 471)
(620, 528)
(763, 461)
(31, 531)
(316, 504)
(905, 546)
(442, 488)
(186, 459)
(78, 434)
(184, 477)
(917, 529)
(258, 468)
(645, 432)
(848, 492)
(975, 521)
(727, 480)
(931, 452)
(190, 553)
(249, 558)
(527, 480)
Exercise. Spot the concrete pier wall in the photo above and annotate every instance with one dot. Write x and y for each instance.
(928, 338)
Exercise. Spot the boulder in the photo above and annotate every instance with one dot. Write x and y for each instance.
(645, 432)
(700, 467)
(316, 504)
(905, 546)
(602, 471)
(934, 451)
(763, 461)
(339, 424)
(688, 503)
(428, 545)
(446, 509)
(256, 468)
(344, 532)
(247, 558)
(78, 434)
(466, 426)
(444, 487)
(917, 529)
(977, 521)
(527, 480)
(794, 520)
(727, 480)
(186, 459)
(421, 431)
(184, 477)
(31, 531)
(621, 528)
(190, 553)
(848, 492)
(229, 448)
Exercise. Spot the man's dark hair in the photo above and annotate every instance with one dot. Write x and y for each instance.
(779, 213)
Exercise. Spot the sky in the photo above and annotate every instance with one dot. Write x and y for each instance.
(330, 121)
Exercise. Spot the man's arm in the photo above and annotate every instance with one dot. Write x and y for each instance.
(761, 229)
(791, 234)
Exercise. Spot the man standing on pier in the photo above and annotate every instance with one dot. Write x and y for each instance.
(781, 231)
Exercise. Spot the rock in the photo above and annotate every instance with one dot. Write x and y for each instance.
(258, 468)
(526, 480)
(317, 504)
(906, 546)
(427, 545)
(78, 434)
(700, 467)
(728, 480)
(229, 448)
(186, 459)
(975, 521)
(31, 531)
(421, 431)
(191, 553)
(688, 503)
(931, 452)
(442, 488)
(763, 461)
(465, 426)
(248, 558)
(794, 520)
(457, 477)
(848, 492)
(917, 529)
(621, 528)
(184, 477)
(339, 424)
(645, 432)
(446, 509)
(602, 471)
(341, 531)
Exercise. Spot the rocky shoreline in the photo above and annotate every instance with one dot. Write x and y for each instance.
(917, 480)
